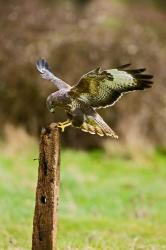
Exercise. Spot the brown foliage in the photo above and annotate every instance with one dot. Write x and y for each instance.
(75, 40)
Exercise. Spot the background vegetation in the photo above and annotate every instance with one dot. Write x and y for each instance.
(112, 192)
(106, 201)
(75, 37)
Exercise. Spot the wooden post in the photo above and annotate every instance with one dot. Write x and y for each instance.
(47, 191)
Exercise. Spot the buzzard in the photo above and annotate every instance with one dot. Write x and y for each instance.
(96, 89)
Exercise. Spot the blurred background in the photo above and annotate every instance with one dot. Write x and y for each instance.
(112, 192)
(75, 37)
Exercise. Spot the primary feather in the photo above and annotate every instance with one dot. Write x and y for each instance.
(46, 73)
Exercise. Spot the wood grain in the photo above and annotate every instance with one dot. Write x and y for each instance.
(47, 191)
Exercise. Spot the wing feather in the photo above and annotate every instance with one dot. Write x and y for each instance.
(124, 66)
(46, 73)
(103, 88)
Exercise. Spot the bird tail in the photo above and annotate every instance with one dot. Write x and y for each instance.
(96, 125)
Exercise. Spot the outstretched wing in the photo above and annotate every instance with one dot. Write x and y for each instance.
(46, 73)
(102, 88)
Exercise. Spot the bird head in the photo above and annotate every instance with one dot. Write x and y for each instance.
(52, 102)
(59, 98)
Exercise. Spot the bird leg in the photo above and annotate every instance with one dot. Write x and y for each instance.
(63, 125)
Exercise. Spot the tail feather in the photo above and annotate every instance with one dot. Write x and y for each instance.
(92, 129)
(96, 125)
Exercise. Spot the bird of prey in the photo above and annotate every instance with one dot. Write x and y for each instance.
(96, 89)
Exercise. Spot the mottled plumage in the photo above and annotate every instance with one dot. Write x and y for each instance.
(96, 89)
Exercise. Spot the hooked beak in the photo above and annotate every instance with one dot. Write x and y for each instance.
(52, 110)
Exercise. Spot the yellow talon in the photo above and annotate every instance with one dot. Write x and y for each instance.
(63, 125)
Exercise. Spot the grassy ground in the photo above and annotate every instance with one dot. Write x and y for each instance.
(106, 202)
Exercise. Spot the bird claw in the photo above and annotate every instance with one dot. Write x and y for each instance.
(63, 125)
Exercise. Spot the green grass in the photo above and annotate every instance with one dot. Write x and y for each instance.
(106, 202)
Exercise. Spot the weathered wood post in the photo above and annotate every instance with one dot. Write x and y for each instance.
(47, 191)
